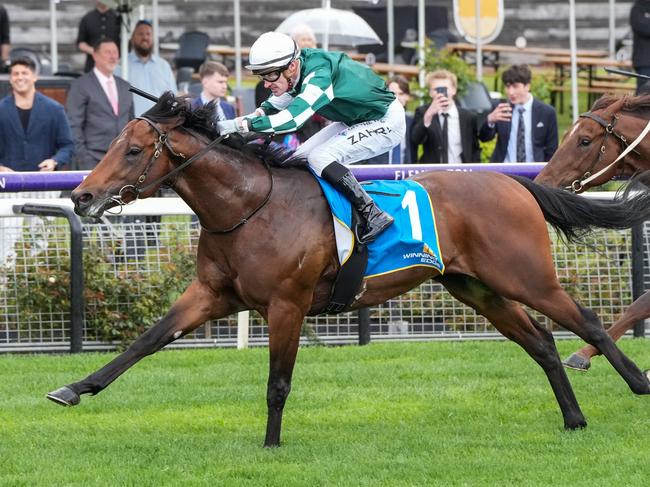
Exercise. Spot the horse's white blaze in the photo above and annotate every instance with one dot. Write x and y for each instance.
(575, 127)
(177, 334)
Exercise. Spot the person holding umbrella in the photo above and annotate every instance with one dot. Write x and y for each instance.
(367, 118)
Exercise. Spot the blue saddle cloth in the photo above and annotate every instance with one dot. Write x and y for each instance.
(411, 241)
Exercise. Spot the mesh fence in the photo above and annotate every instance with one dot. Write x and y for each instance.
(135, 267)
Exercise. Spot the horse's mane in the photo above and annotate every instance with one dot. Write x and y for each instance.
(203, 120)
(633, 104)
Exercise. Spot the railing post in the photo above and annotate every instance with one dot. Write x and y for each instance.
(364, 326)
(76, 265)
(638, 272)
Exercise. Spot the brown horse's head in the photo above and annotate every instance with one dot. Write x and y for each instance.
(147, 149)
(595, 141)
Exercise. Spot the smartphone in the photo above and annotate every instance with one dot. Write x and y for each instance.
(442, 90)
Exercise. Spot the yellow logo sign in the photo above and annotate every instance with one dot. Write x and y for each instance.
(490, 15)
(427, 250)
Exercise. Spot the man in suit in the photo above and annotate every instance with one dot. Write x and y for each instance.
(214, 81)
(34, 131)
(99, 105)
(526, 128)
(448, 133)
(34, 136)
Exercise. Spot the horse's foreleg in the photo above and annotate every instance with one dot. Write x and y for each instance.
(197, 305)
(285, 321)
(513, 322)
(638, 310)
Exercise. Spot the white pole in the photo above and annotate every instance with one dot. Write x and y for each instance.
(237, 19)
(612, 29)
(421, 36)
(242, 329)
(156, 27)
(54, 48)
(390, 26)
(326, 36)
(574, 64)
(124, 41)
(479, 49)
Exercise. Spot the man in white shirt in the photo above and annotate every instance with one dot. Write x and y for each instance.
(447, 133)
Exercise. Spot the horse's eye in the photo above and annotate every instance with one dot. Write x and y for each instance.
(585, 142)
(134, 151)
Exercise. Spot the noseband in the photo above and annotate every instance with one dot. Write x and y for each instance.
(587, 177)
(161, 143)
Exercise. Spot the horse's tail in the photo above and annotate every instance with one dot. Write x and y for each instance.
(575, 216)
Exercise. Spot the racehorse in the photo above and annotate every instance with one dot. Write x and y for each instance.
(588, 157)
(268, 244)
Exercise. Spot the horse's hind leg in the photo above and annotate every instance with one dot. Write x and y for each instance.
(638, 310)
(197, 304)
(558, 306)
(514, 323)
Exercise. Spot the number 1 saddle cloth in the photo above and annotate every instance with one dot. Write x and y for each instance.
(411, 241)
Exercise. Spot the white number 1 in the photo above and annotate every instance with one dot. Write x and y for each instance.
(414, 215)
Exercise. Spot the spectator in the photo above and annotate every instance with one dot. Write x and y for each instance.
(530, 133)
(34, 131)
(640, 23)
(99, 106)
(147, 71)
(448, 133)
(405, 152)
(214, 80)
(98, 24)
(368, 120)
(34, 136)
(5, 45)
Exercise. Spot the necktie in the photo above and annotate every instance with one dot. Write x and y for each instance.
(112, 95)
(521, 137)
(445, 139)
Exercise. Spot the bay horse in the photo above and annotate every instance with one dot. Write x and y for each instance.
(592, 148)
(267, 243)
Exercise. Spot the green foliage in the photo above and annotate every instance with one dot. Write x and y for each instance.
(121, 299)
(444, 59)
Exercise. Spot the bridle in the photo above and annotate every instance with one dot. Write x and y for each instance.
(160, 144)
(579, 184)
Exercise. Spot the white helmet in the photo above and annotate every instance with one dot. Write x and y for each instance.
(270, 52)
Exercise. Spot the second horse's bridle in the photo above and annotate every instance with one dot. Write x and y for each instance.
(161, 143)
(587, 177)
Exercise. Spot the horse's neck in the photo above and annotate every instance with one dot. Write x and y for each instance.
(223, 189)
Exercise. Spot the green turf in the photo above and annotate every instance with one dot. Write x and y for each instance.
(391, 414)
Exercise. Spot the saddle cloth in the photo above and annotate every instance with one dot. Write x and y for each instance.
(411, 241)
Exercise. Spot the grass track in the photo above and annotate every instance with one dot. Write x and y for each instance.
(391, 414)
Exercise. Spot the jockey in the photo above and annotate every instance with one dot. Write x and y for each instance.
(367, 119)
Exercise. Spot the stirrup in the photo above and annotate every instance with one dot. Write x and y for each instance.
(371, 231)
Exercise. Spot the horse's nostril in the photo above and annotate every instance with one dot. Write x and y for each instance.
(85, 198)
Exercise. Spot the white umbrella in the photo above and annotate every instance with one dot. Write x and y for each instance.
(333, 26)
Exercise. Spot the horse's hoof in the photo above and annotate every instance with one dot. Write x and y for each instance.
(577, 362)
(64, 396)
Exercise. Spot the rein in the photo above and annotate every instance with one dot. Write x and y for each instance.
(587, 177)
(137, 189)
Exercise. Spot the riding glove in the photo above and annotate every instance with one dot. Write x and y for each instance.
(226, 127)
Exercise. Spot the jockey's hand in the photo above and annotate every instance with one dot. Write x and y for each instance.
(226, 127)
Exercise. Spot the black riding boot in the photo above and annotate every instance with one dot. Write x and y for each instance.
(376, 220)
